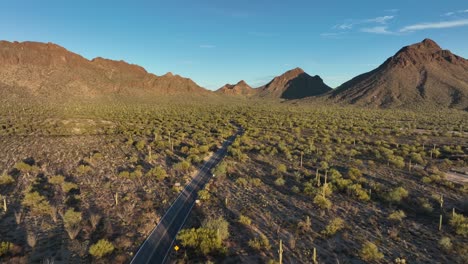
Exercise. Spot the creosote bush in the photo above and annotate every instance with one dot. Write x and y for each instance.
(334, 226)
(370, 252)
(260, 243)
(102, 248)
(6, 179)
(460, 224)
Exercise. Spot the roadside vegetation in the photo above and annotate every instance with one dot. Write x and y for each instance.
(88, 182)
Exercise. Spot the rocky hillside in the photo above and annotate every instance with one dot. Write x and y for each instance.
(419, 74)
(294, 84)
(32, 69)
(241, 88)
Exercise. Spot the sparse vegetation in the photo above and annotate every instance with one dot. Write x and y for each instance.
(102, 248)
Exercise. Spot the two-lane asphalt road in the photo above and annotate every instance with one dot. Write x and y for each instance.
(158, 245)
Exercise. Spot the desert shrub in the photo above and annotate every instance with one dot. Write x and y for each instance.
(37, 203)
(72, 222)
(426, 206)
(397, 194)
(357, 191)
(6, 179)
(102, 248)
(157, 172)
(220, 225)
(445, 243)
(140, 145)
(295, 189)
(370, 252)
(202, 239)
(183, 166)
(397, 161)
(242, 182)
(281, 168)
(260, 243)
(342, 184)
(220, 170)
(245, 220)
(334, 226)
(83, 169)
(460, 224)
(68, 186)
(56, 180)
(204, 195)
(24, 167)
(322, 202)
(354, 173)
(255, 182)
(5, 248)
(279, 182)
(397, 216)
(334, 175)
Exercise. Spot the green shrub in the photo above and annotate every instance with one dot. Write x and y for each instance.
(157, 172)
(397, 216)
(83, 169)
(36, 203)
(204, 195)
(260, 243)
(68, 186)
(202, 239)
(102, 248)
(72, 223)
(357, 191)
(397, 194)
(242, 182)
(342, 184)
(322, 202)
(334, 226)
(220, 225)
(5, 248)
(445, 243)
(281, 168)
(460, 224)
(6, 179)
(279, 182)
(56, 180)
(245, 220)
(354, 173)
(370, 252)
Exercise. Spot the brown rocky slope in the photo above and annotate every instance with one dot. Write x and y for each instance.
(294, 84)
(419, 74)
(46, 70)
(240, 88)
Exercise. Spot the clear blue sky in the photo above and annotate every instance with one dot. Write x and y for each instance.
(216, 42)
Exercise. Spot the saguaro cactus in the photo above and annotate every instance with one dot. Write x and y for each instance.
(280, 251)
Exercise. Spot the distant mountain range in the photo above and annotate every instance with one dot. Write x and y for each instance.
(50, 71)
(418, 74)
(293, 84)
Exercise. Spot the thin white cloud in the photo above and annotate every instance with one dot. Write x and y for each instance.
(207, 46)
(380, 20)
(392, 10)
(383, 20)
(435, 25)
(455, 12)
(377, 30)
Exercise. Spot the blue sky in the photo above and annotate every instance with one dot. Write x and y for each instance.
(216, 42)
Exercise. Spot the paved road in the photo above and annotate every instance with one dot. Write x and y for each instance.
(158, 245)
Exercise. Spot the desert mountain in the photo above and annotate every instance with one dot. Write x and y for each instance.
(241, 88)
(50, 71)
(421, 73)
(294, 84)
